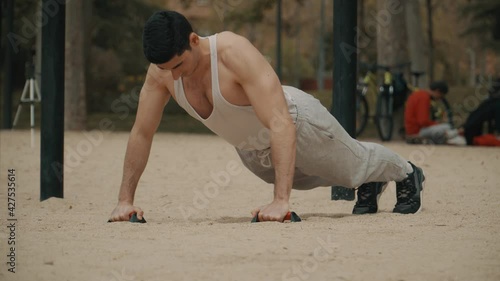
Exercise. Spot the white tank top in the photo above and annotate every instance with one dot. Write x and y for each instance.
(238, 125)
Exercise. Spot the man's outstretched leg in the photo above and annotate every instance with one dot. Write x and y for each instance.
(325, 150)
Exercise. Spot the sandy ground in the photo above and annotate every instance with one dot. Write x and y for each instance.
(197, 197)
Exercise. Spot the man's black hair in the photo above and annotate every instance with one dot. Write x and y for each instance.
(165, 35)
(440, 86)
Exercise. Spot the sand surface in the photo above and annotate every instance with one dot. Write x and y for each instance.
(197, 198)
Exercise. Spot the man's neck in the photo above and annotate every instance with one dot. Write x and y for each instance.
(204, 59)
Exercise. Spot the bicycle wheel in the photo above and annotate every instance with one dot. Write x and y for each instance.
(361, 113)
(384, 120)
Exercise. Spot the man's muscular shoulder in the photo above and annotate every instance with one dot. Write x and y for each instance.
(231, 45)
(236, 51)
(228, 38)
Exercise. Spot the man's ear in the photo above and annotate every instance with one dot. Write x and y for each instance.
(194, 39)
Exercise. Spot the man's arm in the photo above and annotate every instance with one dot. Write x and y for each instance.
(153, 98)
(263, 88)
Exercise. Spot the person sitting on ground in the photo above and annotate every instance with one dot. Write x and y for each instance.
(487, 112)
(282, 134)
(418, 119)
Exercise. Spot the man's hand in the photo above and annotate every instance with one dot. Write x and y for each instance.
(124, 211)
(276, 211)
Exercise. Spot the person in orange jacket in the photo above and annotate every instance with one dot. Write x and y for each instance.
(418, 121)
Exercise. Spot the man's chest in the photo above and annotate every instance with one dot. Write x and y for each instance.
(200, 93)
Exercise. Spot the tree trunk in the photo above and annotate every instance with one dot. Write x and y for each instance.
(74, 86)
(392, 42)
(416, 47)
(297, 56)
(320, 75)
(391, 33)
(431, 40)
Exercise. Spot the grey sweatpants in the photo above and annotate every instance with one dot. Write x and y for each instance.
(325, 153)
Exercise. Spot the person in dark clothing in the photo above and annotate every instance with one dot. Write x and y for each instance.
(487, 112)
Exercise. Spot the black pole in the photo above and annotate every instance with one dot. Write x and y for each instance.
(344, 75)
(52, 125)
(278, 39)
(7, 80)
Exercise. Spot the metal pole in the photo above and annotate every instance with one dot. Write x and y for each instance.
(7, 80)
(278, 39)
(344, 75)
(52, 125)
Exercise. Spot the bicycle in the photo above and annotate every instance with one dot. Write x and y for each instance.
(383, 96)
(362, 112)
(385, 106)
(392, 95)
(367, 84)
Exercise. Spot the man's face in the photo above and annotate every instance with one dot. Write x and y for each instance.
(185, 64)
(180, 66)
